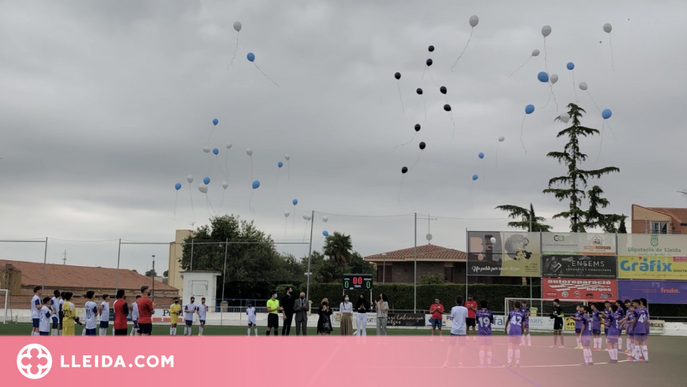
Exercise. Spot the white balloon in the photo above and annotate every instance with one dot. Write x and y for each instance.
(429, 237)
(608, 27)
(474, 20)
(492, 240)
(206, 150)
(249, 152)
(228, 145)
(535, 53)
(306, 217)
(553, 78)
(325, 218)
(203, 188)
(286, 214)
(225, 185)
(564, 117)
(189, 178)
(501, 139)
(287, 157)
(583, 85)
(546, 30)
(237, 26)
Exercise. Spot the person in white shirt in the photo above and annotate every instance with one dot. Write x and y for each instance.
(55, 307)
(91, 314)
(36, 306)
(202, 314)
(250, 311)
(45, 318)
(60, 314)
(189, 310)
(104, 310)
(459, 314)
(134, 316)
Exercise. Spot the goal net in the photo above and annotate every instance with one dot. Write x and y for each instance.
(541, 309)
(4, 301)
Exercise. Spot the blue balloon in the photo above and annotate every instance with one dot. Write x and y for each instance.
(529, 109)
(250, 56)
(295, 201)
(280, 164)
(481, 155)
(543, 77)
(325, 233)
(215, 151)
(474, 177)
(606, 114)
(206, 180)
(215, 121)
(570, 65)
(256, 184)
(177, 186)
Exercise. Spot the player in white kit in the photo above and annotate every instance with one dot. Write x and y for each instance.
(55, 307)
(134, 316)
(189, 310)
(202, 314)
(250, 311)
(36, 306)
(104, 310)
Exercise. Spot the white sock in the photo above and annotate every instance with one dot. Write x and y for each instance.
(628, 344)
(53, 332)
(584, 354)
(517, 356)
(637, 352)
(645, 352)
(59, 332)
(522, 340)
(510, 355)
(579, 343)
(248, 331)
(481, 357)
(488, 357)
(620, 344)
(200, 331)
(256, 331)
(529, 339)
(185, 330)
(171, 331)
(615, 354)
(33, 333)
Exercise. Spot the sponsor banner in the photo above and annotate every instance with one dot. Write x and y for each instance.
(506, 254)
(645, 245)
(657, 326)
(578, 244)
(656, 292)
(579, 266)
(592, 290)
(406, 320)
(652, 267)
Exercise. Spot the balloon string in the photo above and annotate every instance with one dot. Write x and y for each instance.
(603, 125)
(400, 189)
(425, 69)
(250, 203)
(251, 168)
(305, 229)
(406, 143)
(256, 66)
(610, 42)
(400, 97)
(521, 141)
(416, 161)
(546, 62)
(592, 98)
(175, 205)
(211, 133)
(286, 224)
(222, 202)
(454, 125)
(277, 182)
(521, 66)
(554, 99)
(190, 195)
(207, 200)
(235, 49)
(429, 71)
(288, 173)
(293, 226)
(425, 105)
(574, 88)
(464, 48)
(548, 100)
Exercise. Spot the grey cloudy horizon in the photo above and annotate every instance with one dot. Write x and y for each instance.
(104, 106)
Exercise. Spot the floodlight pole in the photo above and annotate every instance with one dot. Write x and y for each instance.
(191, 265)
(415, 270)
(153, 277)
(307, 286)
(119, 251)
(45, 262)
(224, 282)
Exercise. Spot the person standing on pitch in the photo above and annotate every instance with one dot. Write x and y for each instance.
(437, 312)
(346, 310)
(121, 311)
(361, 306)
(146, 310)
(202, 315)
(301, 309)
(273, 314)
(104, 311)
(134, 316)
(250, 312)
(286, 303)
(382, 308)
(324, 323)
(69, 315)
(189, 310)
(36, 306)
(91, 314)
(55, 306)
(557, 317)
(526, 324)
(471, 306)
(174, 311)
(459, 314)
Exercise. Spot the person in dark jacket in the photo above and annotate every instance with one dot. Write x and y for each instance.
(362, 306)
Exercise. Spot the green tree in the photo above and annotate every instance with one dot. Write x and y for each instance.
(431, 279)
(150, 273)
(338, 248)
(324, 270)
(571, 186)
(165, 274)
(358, 265)
(524, 215)
(621, 228)
(594, 218)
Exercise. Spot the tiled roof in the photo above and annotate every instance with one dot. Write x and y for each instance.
(425, 253)
(63, 276)
(679, 214)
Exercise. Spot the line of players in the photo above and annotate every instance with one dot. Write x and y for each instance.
(56, 316)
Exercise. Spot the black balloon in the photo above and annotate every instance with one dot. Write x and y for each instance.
(417, 127)
(431, 48)
(422, 145)
(443, 90)
(397, 75)
(429, 61)
(404, 170)
(419, 91)
(447, 107)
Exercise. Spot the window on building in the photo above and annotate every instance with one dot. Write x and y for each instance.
(448, 273)
(659, 227)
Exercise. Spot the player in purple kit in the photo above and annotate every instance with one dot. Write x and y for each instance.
(586, 336)
(514, 328)
(607, 311)
(629, 321)
(484, 320)
(612, 323)
(526, 324)
(628, 342)
(596, 327)
(641, 330)
(578, 324)
(621, 315)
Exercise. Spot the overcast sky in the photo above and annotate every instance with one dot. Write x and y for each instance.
(104, 106)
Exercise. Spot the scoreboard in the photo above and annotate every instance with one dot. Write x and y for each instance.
(357, 281)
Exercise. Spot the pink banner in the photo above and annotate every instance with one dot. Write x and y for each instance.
(287, 361)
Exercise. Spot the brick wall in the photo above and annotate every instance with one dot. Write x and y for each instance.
(403, 271)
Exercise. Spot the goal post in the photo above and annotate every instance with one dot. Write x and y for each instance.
(541, 309)
(4, 299)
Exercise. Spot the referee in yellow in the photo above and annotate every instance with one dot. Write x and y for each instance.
(174, 311)
(273, 314)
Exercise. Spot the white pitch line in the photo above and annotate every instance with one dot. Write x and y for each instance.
(485, 368)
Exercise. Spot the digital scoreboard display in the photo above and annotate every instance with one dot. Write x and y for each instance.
(357, 281)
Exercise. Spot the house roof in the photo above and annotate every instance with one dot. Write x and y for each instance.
(425, 253)
(678, 214)
(68, 276)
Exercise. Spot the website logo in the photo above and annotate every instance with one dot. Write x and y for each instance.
(34, 361)
(654, 240)
(558, 238)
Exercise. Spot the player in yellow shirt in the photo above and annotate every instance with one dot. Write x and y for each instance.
(273, 309)
(174, 311)
(68, 315)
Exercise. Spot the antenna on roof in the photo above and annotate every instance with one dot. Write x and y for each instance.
(193, 224)
(64, 258)
(684, 193)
